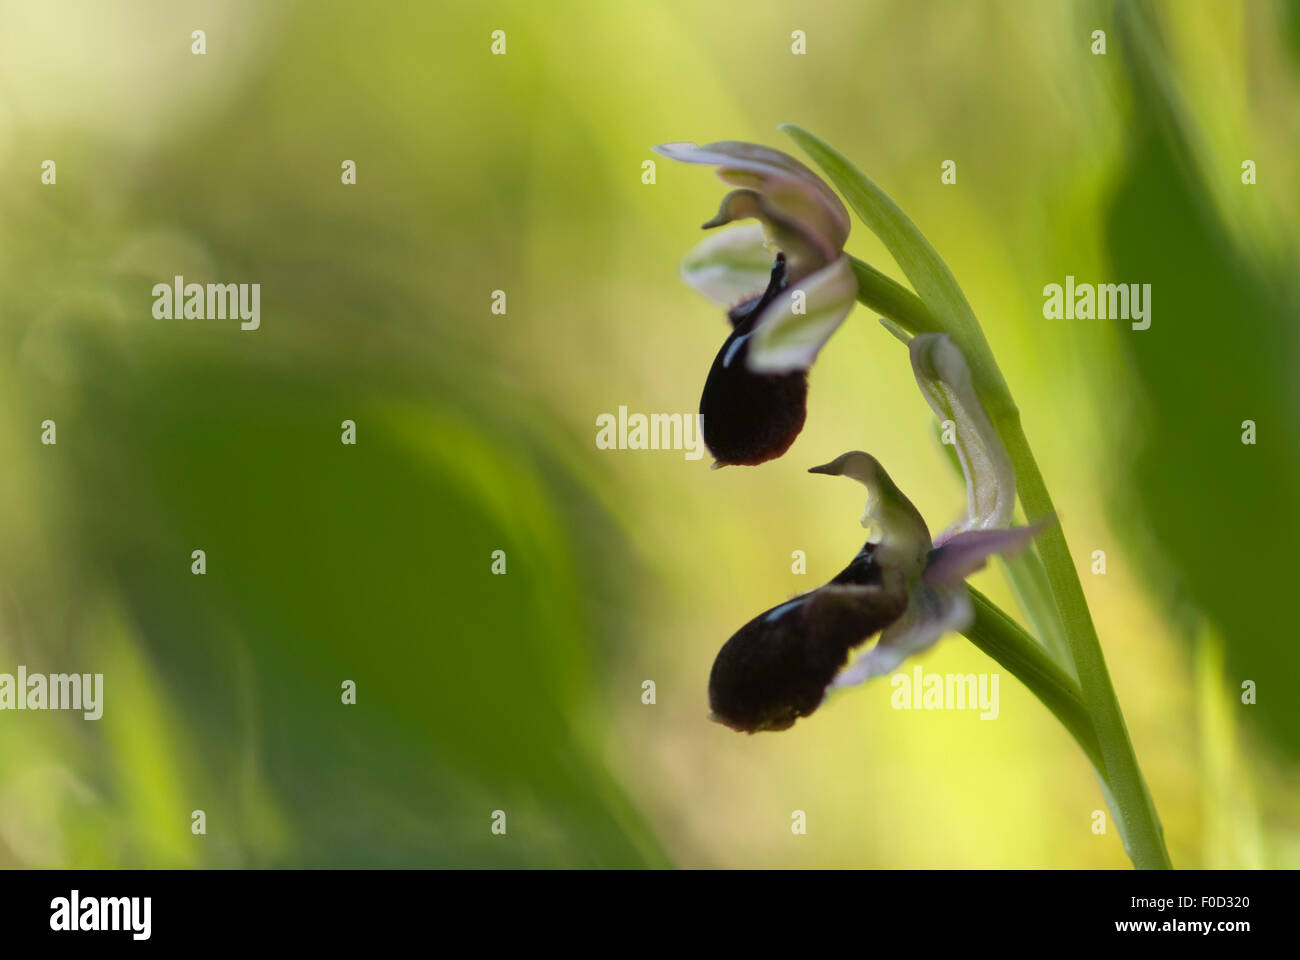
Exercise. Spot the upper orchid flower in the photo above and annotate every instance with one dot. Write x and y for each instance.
(787, 284)
(911, 590)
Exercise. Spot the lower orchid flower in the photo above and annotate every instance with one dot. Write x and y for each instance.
(902, 585)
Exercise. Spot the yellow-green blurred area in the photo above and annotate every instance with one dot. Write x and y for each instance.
(523, 173)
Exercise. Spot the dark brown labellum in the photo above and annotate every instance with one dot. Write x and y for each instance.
(776, 668)
(750, 418)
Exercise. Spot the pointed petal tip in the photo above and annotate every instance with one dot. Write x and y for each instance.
(961, 554)
(896, 330)
(674, 147)
(840, 465)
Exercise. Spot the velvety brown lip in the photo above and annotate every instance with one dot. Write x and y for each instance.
(776, 668)
(750, 418)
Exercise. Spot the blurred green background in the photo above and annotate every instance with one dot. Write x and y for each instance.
(475, 431)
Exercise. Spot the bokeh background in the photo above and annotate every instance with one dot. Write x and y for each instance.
(476, 432)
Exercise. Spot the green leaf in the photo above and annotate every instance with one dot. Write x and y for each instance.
(898, 305)
(921, 264)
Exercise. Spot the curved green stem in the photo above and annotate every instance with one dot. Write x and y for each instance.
(939, 305)
(1118, 767)
(1144, 836)
(891, 299)
(1007, 642)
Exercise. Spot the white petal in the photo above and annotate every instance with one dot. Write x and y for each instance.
(730, 265)
(944, 378)
(789, 185)
(785, 340)
(931, 612)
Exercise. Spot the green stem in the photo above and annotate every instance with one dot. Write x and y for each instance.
(891, 299)
(1007, 642)
(1028, 579)
(1144, 837)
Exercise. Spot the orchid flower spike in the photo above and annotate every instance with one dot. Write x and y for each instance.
(787, 284)
(902, 585)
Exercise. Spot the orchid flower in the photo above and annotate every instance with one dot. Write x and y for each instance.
(787, 284)
(902, 585)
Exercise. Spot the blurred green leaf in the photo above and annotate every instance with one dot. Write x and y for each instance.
(1214, 519)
